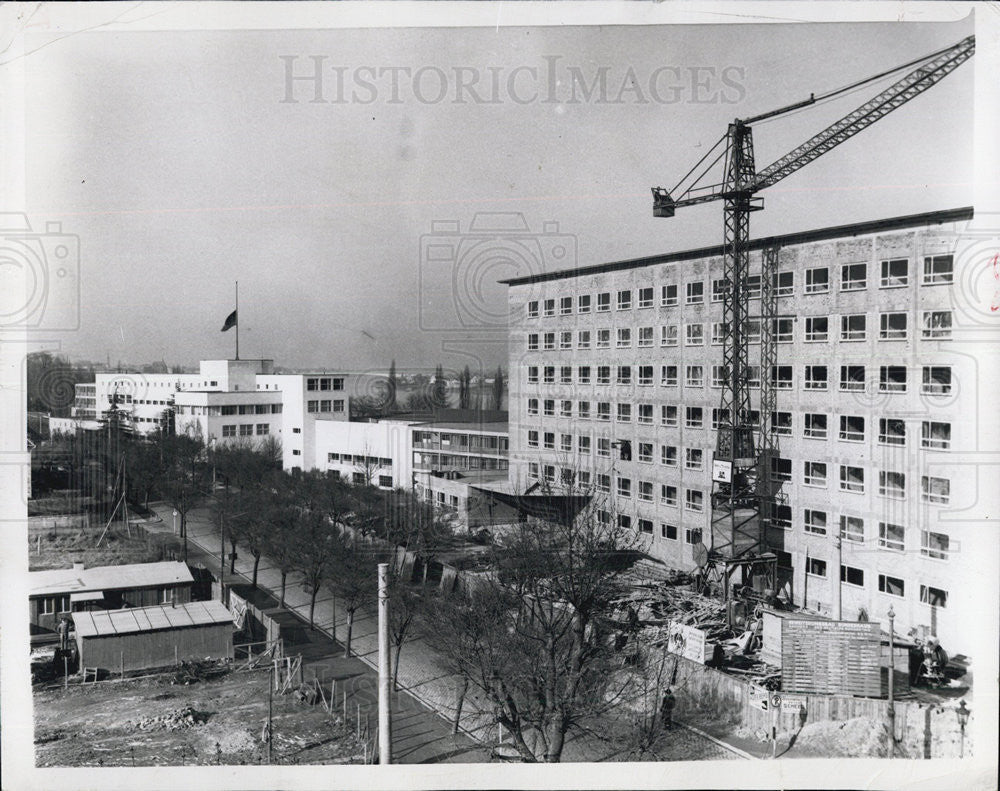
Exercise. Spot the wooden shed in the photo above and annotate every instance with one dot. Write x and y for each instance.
(142, 638)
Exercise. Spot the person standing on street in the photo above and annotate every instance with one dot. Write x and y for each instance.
(667, 710)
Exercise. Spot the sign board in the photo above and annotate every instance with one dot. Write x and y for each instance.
(722, 470)
(688, 642)
(831, 657)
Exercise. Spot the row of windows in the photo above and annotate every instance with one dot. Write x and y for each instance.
(935, 379)
(891, 273)
(336, 405)
(324, 383)
(245, 429)
(349, 458)
(887, 584)
(241, 409)
(892, 326)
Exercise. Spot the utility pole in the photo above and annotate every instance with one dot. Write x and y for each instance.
(892, 671)
(384, 675)
(222, 555)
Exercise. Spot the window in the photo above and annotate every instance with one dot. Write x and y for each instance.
(533, 470)
(852, 479)
(753, 376)
(668, 296)
(566, 443)
(263, 428)
(603, 410)
(895, 273)
(550, 307)
(934, 545)
(891, 536)
(645, 492)
(549, 440)
(566, 339)
(533, 309)
(782, 329)
(694, 376)
(246, 429)
(583, 479)
(549, 374)
(603, 447)
(532, 374)
(583, 303)
(668, 335)
(781, 377)
(781, 423)
(891, 431)
(937, 379)
(892, 379)
(694, 334)
(668, 495)
(583, 410)
(583, 374)
(645, 526)
(753, 330)
(935, 490)
(937, 324)
(624, 375)
(719, 288)
(668, 532)
(892, 327)
(646, 297)
(668, 455)
(549, 340)
(603, 483)
(852, 378)
(694, 293)
(603, 374)
(853, 277)
(565, 306)
(719, 416)
(852, 576)
(753, 287)
(937, 269)
(852, 428)
(935, 436)
(815, 426)
(817, 328)
(815, 522)
(532, 438)
(891, 484)
(645, 452)
(815, 474)
(229, 430)
(718, 375)
(645, 375)
(625, 300)
(852, 528)
(624, 487)
(781, 469)
(549, 473)
(694, 417)
(583, 444)
(645, 337)
(694, 459)
(645, 416)
(853, 327)
(781, 516)
(532, 406)
(624, 413)
(692, 535)
(817, 280)
(783, 284)
(565, 408)
(604, 302)
(718, 333)
(549, 407)
(892, 586)
(936, 597)
(815, 567)
(583, 339)
(624, 337)
(604, 339)
(668, 415)
(815, 377)
(694, 500)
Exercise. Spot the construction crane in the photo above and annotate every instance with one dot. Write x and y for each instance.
(744, 495)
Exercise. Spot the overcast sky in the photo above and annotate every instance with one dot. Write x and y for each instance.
(185, 162)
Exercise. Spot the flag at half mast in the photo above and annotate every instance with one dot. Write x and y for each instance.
(230, 321)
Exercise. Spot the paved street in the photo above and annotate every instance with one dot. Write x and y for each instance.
(418, 734)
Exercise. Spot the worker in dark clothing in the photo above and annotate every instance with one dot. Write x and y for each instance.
(667, 710)
(63, 632)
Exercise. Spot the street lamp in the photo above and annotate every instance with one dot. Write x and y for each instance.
(892, 672)
(963, 718)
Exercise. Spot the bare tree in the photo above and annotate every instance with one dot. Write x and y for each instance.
(352, 577)
(498, 389)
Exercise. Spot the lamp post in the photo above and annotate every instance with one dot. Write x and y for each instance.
(892, 671)
(963, 718)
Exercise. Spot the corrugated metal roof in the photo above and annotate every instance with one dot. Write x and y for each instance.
(104, 578)
(102, 623)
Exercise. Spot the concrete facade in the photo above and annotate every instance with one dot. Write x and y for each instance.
(876, 408)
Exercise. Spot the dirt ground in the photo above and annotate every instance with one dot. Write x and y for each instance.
(154, 722)
(59, 547)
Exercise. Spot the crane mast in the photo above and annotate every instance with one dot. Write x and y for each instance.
(744, 494)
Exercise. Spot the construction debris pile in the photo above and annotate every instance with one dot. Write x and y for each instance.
(178, 719)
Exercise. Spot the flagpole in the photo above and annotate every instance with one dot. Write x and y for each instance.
(237, 319)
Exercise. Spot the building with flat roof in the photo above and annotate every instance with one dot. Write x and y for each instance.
(615, 382)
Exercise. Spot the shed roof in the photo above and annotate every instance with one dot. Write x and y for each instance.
(102, 578)
(103, 623)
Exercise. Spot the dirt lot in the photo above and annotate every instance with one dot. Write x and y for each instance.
(52, 545)
(154, 722)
